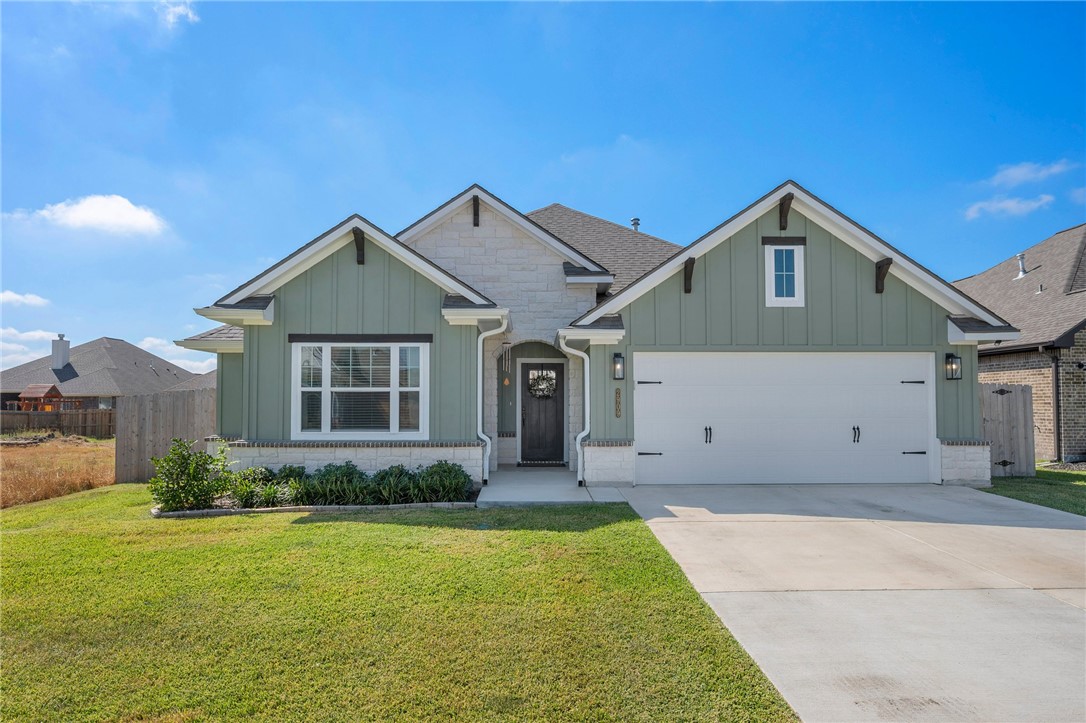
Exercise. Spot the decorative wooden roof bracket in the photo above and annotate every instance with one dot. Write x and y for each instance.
(784, 208)
(359, 245)
(688, 275)
(882, 267)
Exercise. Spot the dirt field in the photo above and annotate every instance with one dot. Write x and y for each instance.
(54, 468)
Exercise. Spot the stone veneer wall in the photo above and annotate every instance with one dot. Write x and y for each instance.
(966, 463)
(610, 464)
(367, 456)
(525, 276)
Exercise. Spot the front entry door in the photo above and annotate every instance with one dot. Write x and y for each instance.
(542, 403)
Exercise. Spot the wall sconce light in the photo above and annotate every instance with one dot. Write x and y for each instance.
(953, 366)
(619, 368)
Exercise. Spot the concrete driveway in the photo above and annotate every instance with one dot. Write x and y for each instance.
(890, 602)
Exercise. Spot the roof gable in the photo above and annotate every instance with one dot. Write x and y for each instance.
(829, 218)
(518, 219)
(1048, 304)
(333, 240)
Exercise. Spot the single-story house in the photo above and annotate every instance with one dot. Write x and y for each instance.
(788, 344)
(1042, 291)
(92, 375)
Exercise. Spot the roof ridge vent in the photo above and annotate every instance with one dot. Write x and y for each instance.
(1021, 265)
(635, 222)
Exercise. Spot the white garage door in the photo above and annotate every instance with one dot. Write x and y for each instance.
(784, 418)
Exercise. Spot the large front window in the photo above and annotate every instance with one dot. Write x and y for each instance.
(359, 391)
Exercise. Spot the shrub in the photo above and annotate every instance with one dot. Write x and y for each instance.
(247, 486)
(339, 484)
(444, 482)
(394, 485)
(290, 472)
(187, 479)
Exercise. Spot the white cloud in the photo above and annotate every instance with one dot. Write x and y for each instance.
(16, 299)
(1078, 195)
(110, 214)
(19, 347)
(1010, 176)
(172, 13)
(1001, 206)
(198, 367)
(198, 362)
(11, 334)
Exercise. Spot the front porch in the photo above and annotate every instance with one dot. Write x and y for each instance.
(512, 486)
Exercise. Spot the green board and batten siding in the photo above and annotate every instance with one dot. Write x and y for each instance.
(231, 376)
(726, 311)
(339, 296)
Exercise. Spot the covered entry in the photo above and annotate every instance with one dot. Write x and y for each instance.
(533, 403)
(784, 418)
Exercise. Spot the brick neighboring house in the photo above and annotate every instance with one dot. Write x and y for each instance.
(1042, 292)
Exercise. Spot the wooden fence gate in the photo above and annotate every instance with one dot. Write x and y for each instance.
(1006, 417)
(146, 425)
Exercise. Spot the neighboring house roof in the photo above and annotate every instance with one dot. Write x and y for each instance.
(221, 339)
(826, 216)
(104, 367)
(1056, 267)
(626, 253)
(528, 225)
(199, 381)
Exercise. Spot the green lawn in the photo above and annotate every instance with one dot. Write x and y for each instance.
(1062, 490)
(572, 613)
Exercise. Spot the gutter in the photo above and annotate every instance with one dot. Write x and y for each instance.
(586, 404)
(483, 336)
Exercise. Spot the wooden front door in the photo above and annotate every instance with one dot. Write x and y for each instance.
(542, 411)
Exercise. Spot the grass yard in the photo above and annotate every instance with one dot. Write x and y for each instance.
(57, 467)
(1060, 489)
(560, 613)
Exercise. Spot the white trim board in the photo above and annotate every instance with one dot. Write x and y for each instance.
(221, 346)
(565, 408)
(537, 232)
(333, 240)
(825, 216)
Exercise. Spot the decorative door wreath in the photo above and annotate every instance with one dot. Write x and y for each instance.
(542, 384)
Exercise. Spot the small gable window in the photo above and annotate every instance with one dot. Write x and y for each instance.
(360, 391)
(784, 275)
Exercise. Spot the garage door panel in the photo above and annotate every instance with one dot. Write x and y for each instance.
(783, 417)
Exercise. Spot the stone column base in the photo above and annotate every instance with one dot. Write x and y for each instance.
(609, 463)
(966, 462)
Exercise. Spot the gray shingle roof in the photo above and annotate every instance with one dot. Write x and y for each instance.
(455, 301)
(1056, 267)
(626, 253)
(226, 332)
(104, 367)
(198, 381)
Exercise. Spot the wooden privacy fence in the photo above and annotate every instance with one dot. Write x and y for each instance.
(84, 422)
(1006, 418)
(146, 424)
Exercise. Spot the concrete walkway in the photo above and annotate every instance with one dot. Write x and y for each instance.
(887, 602)
(523, 486)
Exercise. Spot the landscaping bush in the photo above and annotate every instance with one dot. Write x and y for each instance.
(187, 479)
(334, 484)
(444, 482)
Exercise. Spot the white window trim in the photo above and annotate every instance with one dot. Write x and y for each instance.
(296, 390)
(771, 299)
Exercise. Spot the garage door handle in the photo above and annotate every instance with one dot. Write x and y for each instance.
(650, 454)
(706, 431)
(858, 433)
(914, 452)
(650, 382)
(710, 434)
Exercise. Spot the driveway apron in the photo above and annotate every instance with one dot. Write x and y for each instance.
(890, 602)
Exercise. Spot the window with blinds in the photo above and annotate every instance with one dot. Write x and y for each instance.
(360, 391)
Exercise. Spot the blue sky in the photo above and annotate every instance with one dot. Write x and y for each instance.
(155, 155)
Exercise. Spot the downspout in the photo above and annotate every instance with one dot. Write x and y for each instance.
(586, 404)
(1056, 450)
(483, 336)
